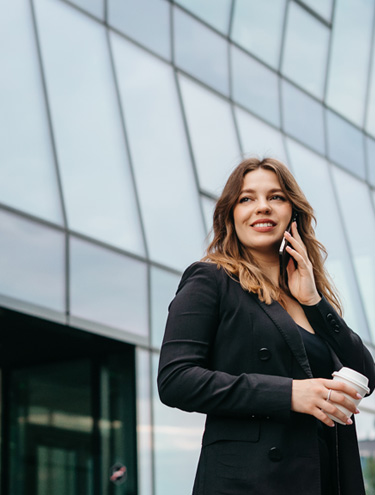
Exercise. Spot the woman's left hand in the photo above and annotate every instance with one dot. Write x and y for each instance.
(301, 280)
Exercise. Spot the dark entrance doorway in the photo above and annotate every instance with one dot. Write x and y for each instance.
(67, 408)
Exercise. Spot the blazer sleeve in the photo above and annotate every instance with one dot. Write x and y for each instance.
(184, 378)
(347, 345)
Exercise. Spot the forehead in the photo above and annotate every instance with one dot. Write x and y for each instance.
(261, 179)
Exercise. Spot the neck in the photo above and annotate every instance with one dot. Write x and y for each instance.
(270, 265)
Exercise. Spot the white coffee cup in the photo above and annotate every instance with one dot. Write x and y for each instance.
(355, 380)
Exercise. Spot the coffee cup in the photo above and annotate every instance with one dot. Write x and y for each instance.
(355, 380)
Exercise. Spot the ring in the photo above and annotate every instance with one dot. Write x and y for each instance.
(329, 395)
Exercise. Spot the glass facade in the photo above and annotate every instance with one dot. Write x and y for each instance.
(120, 122)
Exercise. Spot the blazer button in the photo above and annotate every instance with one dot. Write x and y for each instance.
(336, 328)
(275, 454)
(264, 354)
(330, 316)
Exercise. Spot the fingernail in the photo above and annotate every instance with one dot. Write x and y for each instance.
(349, 422)
(357, 411)
(287, 233)
(332, 425)
(359, 396)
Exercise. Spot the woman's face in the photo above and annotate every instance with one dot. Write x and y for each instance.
(262, 212)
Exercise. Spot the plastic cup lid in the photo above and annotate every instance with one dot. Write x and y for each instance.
(353, 376)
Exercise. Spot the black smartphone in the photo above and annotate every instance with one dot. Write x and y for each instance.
(284, 256)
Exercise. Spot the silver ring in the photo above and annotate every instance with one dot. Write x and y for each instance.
(329, 395)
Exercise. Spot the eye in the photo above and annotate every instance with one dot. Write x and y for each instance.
(278, 197)
(244, 199)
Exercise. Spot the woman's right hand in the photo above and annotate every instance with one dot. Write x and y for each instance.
(310, 397)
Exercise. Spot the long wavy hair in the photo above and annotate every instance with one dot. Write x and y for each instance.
(227, 251)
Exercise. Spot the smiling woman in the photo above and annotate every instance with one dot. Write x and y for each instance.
(254, 349)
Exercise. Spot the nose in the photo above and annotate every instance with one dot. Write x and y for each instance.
(263, 206)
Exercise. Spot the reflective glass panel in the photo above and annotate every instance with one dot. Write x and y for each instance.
(370, 110)
(146, 21)
(258, 138)
(312, 173)
(214, 12)
(212, 134)
(370, 155)
(257, 26)
(346, 145)
(255, 86)
(162, 166)
(163, 288)
(350, 50)
(177, 441)
(94, 7)
(27, 172)
(354, 197)
(97, 183)
(303, 117)
(208, 210)
(200, 51)
(108, 288)
(31, 262)
(365, 424)
(144, 422)
(321, 7)
(305, 50)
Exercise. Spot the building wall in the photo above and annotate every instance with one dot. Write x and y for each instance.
(120, 121)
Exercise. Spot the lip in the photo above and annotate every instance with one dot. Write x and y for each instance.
(256, 225)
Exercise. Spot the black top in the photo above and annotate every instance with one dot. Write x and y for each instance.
(321, 365)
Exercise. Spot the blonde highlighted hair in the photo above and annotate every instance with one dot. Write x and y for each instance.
(227, 251)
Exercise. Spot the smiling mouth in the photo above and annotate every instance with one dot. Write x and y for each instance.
(263, 224)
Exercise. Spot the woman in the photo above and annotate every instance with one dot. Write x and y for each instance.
(255, 349)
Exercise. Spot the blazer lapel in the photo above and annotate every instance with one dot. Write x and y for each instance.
(289, 330)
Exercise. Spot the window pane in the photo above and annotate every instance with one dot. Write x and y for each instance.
(257, 26)
(312, 173)
(144, 422)
(214, 12)
(321, 7)
(212, 133)
(305, 50)
(258, 138)
(27, 172)
(370, 155)
(255, 87)
(108, 288)
(31, 262)
(361, 240)
(146, 21)
(365, 423)
(208, 210)
(163, 288)
(177, 441)
(97, 183)
(303, 117)
(162, 166)
(350, 50)
(370, 115)
(94, 7)
(200, 51)
(345, 145)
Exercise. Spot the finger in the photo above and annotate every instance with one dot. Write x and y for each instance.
(342, 400)
(343, 387)
(296, 243)
(330, 408)
(320, 414)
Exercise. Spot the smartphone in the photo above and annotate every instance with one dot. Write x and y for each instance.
(284, 256)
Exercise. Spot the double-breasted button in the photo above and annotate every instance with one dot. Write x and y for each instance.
(330, 317)
(275, 454)
(336, 328)
(264, 354)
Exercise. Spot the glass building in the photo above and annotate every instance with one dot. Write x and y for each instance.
(120, 121)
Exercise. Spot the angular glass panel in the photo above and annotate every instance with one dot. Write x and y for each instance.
(370, 110)
(305, 50)
(97, 183)
(352, 192)
(144, 422)
(163, 288)
(350, 50)
(370, 155)
(108, 288)
(146, 21)
(162, 166)
(214, 12)
(94, 7)
(208, 211)
(346, 145)
(177, 441)
(313, 176)
(257, 27)
(303, 117)
(200, 51)
(321, 7)
(212, 134)
(258, 138)
(255, 86)
(27, 173)
(32, 262)
(365, 425)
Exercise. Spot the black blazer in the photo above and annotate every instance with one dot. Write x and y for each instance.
(232, 357)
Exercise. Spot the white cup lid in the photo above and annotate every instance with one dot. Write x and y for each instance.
(353, 376)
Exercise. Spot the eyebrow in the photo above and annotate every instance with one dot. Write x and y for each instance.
(270, 191)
